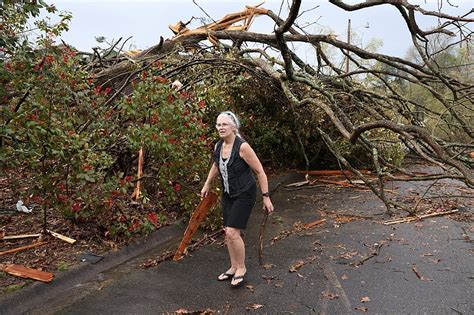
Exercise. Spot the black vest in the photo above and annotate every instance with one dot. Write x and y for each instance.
(240, 175)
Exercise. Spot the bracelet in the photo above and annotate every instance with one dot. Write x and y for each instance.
(266, 194)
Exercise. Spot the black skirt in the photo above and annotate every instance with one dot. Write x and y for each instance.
(236, 211)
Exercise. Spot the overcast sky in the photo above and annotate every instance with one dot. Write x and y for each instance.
(147, 20)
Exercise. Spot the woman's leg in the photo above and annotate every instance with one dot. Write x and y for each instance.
(233, 264)
(236, 248)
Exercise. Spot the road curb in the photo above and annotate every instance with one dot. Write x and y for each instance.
(39, 293)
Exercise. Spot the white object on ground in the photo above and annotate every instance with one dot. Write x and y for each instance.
(20, 207)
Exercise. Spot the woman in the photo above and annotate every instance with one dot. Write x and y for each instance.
(235, 160)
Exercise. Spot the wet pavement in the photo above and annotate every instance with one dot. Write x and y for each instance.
(350, 264)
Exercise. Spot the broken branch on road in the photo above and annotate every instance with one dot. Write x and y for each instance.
(420, 217)
(418, 275)
(375, 252)
(297, 227)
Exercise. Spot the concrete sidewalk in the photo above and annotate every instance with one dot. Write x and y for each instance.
(424, 267)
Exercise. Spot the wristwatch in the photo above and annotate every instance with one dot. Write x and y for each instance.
(266, 194)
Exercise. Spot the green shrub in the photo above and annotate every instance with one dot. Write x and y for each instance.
(76, 150)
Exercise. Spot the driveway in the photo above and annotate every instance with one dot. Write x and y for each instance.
(351, 263)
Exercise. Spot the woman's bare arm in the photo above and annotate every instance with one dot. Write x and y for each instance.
(250, 157)
(210, 177)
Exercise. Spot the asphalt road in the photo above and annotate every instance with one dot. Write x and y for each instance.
(420, 267)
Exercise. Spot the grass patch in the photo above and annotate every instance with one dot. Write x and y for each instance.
(63, 266)
(14, 287)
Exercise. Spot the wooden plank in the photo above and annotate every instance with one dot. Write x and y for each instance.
(14, 250)
(15, 237)
(62, 237)
(198, 215)
(29, 273)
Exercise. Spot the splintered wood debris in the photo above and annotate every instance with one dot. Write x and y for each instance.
(227, 23)
(62, 237)
(14, 250)
(297, 227)
(198, 215)
(21, 236)
(24, 272)
(416, 218)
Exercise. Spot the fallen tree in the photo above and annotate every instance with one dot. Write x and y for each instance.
(158, 101)
(369, 100)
